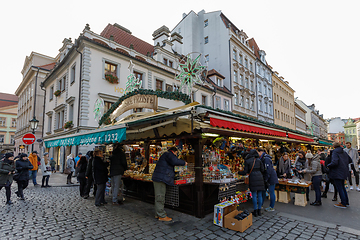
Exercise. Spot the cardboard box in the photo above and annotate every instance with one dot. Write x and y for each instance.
(284, 197)
(221, 210)
(237, 225)
(300, 199)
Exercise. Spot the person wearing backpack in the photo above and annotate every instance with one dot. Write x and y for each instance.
(7, 170)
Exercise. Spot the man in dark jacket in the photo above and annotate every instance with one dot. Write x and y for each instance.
(164, 175)
(23, 165)
(89, 175)
(118, 165)
(339, 170)
(270, 178)
(100, 177)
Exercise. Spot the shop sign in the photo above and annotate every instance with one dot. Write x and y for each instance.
(137, 101)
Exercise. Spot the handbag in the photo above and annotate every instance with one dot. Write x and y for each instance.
(67, 170)
(247, 179)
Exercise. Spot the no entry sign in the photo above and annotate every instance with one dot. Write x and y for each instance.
(29, 138)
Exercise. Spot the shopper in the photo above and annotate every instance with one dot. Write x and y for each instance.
(300, 164)
(7, 170)
(328, 179)
(353, 153)
(77, 158)
(23, 165)
(70, 165)
(82, 165)
(164, 175)
(255, 168)
(53, 165)
(338, 170)
(46, 170)
(314, 169)
(33, 158)
(284, 166)
(90, 177)
(118, 165)
(270, 178)
(100, 177)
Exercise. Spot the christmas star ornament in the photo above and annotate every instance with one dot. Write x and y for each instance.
(132, 81)
(190, 72)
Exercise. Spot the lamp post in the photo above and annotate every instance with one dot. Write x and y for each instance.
(33, 125)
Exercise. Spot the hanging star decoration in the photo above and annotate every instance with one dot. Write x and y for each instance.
(98, 109)
(132, 81)
(190, 73)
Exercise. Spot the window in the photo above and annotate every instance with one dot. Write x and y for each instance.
(203, 100)
(236, 99)
(111, 69)
(234, 54)
(260, 105)
(206, 23)
(259, 84)
(247, 106)
(265, 90)
(251, 67)
(13, 122)
(2, 138)
(242, 101)
(71, 112)
(61, 85)
(170, 63)
(246, 82)
(165, 61)
(169, 88)
(246, 63)
(12, 139)
(235, 77)
(60, 119)
(159, 84)
(219, 82)
(241, 80)
(252, 105)
(252, 85)
(51, 95)
(179, 31)
(2, 122)
(207, 58)
(72, 74)
(275, 97)
(138, 76)
(217, 102)
(266, 107)
(107, 106)
(49, 123)
(240, 59)
(206, 40)
(226, 105)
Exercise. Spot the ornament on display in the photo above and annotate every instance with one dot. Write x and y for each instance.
(98, 109)
(190, 72)
(132, 81)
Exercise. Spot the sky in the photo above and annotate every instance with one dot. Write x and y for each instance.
(314, 45)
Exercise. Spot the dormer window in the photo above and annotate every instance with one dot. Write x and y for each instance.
(170, 63)
(206, 23)
(219, 82)
(165, 61)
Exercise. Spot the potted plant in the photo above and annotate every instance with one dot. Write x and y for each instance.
(111, 78)
(68, 124)
(57, 93)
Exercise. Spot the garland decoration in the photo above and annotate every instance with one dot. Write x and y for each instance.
(57, 93)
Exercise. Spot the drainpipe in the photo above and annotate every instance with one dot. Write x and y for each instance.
(78, 119)
(43, 121)
(35, 86)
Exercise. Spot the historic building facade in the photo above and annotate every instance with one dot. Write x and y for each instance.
(8, 114)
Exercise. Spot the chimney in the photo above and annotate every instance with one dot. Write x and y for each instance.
(176, 40)
(160, 35)
(184, 15)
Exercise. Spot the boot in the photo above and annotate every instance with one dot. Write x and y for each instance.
(255, 213)
(259, 212)
(324, 195)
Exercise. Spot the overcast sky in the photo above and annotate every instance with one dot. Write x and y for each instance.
(314, 45)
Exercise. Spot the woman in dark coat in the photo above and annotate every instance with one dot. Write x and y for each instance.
(89, 175)
(23, 166)
(100, 177)
(255, 168)
(82, 164)
(7, 170)
(328, 179)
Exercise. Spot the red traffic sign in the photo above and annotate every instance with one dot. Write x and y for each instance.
(29, 138)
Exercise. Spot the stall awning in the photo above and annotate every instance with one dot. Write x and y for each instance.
(294, 136)
(221, 122)
(325, 143)
(98, 136)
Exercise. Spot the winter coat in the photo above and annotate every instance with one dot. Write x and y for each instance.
(6, 166)
(82, 169)
(270, 175)
(45, 169)
(118, 162)
(70, 164)
(338, 167)
(314, 167)
(164, 170)
(256, 180)
(284, 167)
(89, 169)
(301, 164)
(52, 163)
(100, 170)
(354, 155)
(23, 167)
(33, 158)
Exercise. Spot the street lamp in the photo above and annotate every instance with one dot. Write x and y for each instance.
(33, 125)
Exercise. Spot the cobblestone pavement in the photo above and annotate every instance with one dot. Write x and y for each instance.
(59, 213)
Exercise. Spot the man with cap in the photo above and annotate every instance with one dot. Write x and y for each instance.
(7, 170)
(33, 158)
(78, 158)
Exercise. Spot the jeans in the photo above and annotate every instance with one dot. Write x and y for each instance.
(316, 181)
(100, 194)
(115, 186)
(271, 190)
(340, 186)
(45, 178)
(32, 175)
(160, 191)
(257, 199)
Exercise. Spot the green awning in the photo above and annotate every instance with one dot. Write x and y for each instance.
(325, 143)
(98, 136)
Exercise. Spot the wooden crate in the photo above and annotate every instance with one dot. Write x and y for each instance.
(300, 199)
(284, 197)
